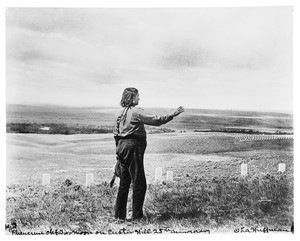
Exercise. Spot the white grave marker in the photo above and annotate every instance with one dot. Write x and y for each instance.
(158, 174)
(89, 179)
(170, 176)
(281, 167)
(244, 169)
(46, 179)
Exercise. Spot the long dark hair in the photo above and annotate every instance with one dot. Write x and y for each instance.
(128, 96)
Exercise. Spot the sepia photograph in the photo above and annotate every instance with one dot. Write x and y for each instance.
(140, 121)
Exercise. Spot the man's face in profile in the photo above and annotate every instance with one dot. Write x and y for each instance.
(136, 99)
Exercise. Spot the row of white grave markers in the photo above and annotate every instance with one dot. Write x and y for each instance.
(244, 168)
(89, 179)
(158, 175)
(251, 137)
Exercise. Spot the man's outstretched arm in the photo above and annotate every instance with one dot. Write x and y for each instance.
(156, 120)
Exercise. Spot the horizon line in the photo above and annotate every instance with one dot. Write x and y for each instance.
(160, 107)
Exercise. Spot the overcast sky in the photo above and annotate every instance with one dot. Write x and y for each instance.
(220, 58)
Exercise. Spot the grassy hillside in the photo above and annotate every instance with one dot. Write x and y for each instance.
(208, 192)
(192, 205)
(29, 156)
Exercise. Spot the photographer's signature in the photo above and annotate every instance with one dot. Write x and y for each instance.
(260, 230)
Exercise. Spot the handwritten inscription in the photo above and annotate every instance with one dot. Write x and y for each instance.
(15, 231)
(260, 230)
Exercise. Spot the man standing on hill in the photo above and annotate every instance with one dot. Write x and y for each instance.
(130, 136)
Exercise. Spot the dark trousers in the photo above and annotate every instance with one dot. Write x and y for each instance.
(131, 156)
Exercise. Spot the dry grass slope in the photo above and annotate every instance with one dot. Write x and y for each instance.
(263, 200)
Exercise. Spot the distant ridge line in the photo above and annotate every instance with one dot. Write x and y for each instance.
(162, 108)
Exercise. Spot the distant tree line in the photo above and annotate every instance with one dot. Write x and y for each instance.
(54, 128)
(161, 130)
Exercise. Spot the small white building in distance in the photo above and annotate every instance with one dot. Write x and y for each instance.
(45, 128)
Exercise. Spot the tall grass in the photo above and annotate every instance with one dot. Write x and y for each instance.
(222, 199)
(219, 200)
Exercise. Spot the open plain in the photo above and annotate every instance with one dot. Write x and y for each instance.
(208, 192)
